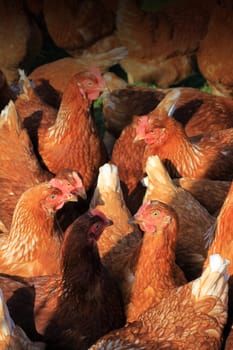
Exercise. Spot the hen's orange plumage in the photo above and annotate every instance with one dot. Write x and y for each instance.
(191, 241)
(155, 271)
(211, 157)
(72, 309)
(72, 140)
(32, 246)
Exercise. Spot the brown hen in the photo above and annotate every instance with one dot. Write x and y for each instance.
(194, 220)
(210, 157)
(156, 256)
(73, 309)
(32, 245)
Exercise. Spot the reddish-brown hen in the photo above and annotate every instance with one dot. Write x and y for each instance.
(73, 309)
(32, 245)
(191, 241)
(210, 157)
(156, 271)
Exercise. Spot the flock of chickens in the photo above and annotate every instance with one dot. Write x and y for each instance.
(121, 241)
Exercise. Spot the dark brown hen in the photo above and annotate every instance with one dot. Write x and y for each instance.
(74, 309)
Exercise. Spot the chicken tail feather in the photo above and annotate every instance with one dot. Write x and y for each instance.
(10, 118)
(214, 280)
(108, 180)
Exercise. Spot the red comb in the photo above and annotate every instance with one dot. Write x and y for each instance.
(142, 125)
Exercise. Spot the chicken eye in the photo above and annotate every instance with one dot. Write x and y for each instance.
(53, 196)
(155, 213)
(89, 83)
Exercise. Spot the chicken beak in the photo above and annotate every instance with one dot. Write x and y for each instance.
(71, 197)
(138, 138)
(108, 222)
(82, 193)
(134, 220)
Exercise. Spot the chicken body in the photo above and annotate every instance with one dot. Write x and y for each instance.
(6, 93)
(210, 157)
(120, 242)
(32, 246)
(74, 308)
(156, 255)
(72, 140)
(194, 220)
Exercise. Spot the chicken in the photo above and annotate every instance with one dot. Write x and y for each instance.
(214, 56)
(32, 246)
(199, 112)
(194, 220)
(13, 337)
(20, 39)
(210, 157)
(69, 138)
(74, 308)
(119, 243)
(189, 317)
(57, 74)
(16, 152)
(85, 23)
(156, 255)
(161, 45)
(209, 193)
